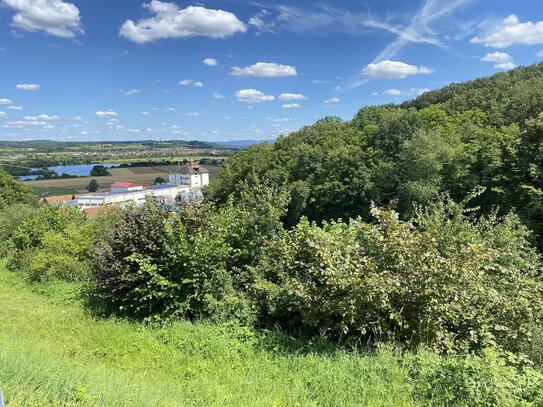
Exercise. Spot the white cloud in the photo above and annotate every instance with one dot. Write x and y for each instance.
(192, 114)
(393, 70)
(217, 96)
(5, 102)
(28, 86)
(210, 62)
(171, 22)
(292, 96)
(540, 54)
(55, 17)
(252, 96)
(498, 57)
(265, 70)
(108, 113)
(503, 60)
(170, 109)
(145, 114)
(132, 92)
(511, 31)
(505, 65)
(40, 117)
(190, 82)
(2, 114)
(392, 92)
(13, 107)
(291, 106)
(282, 120)
(332, 101)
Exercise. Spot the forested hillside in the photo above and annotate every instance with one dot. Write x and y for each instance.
(403, 234)
(487, 133)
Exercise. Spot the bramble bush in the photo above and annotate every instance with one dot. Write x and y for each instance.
(448, 280)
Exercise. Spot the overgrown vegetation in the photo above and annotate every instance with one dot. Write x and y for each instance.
(409, 234)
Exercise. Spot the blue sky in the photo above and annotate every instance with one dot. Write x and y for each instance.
(233, 70)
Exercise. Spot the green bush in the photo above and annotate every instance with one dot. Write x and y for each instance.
(10, 218)
(493, 378)
(52, 243)
(450, 281)
(191, 264)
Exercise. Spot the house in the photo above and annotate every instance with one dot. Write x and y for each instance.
(190, 175)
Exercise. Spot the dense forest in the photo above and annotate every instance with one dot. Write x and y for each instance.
(485, 133)
(415, 227)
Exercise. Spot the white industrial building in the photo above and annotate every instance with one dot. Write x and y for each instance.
(123, 194)
(190, 175)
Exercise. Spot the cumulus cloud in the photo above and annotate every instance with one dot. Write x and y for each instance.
(291, 106)
(540, 54)
(192, 114)
(210, 62)
(13, 107)
(2, 114)
(265, 70)
(198, 84)
(217, 96)
(169, 21)
(252, 96)
(505, 65)
(332, 101)
(107, 113)
(393, 70)
(511, 31)
(145, 114)
(292, 96)
(498, 57)
(5, 102)
(28, 86)
(55, 17)
(502, 59)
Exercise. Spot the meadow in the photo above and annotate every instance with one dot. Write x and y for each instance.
(52, 352)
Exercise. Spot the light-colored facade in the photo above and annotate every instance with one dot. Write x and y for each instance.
(163, 193)
(190, 175)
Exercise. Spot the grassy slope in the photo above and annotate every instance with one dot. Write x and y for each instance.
(52, 353)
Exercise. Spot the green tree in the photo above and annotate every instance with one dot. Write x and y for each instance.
(14, 191)
(93, 186)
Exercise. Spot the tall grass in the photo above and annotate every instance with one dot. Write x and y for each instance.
(53, 353)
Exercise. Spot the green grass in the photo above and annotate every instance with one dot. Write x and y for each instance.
(52, 353)
(51, 191)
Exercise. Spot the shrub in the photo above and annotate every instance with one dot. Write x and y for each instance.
(450, 282)
(191, 264)
(14, 191)
(52, 243)
(10, 218)
(493, 378)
